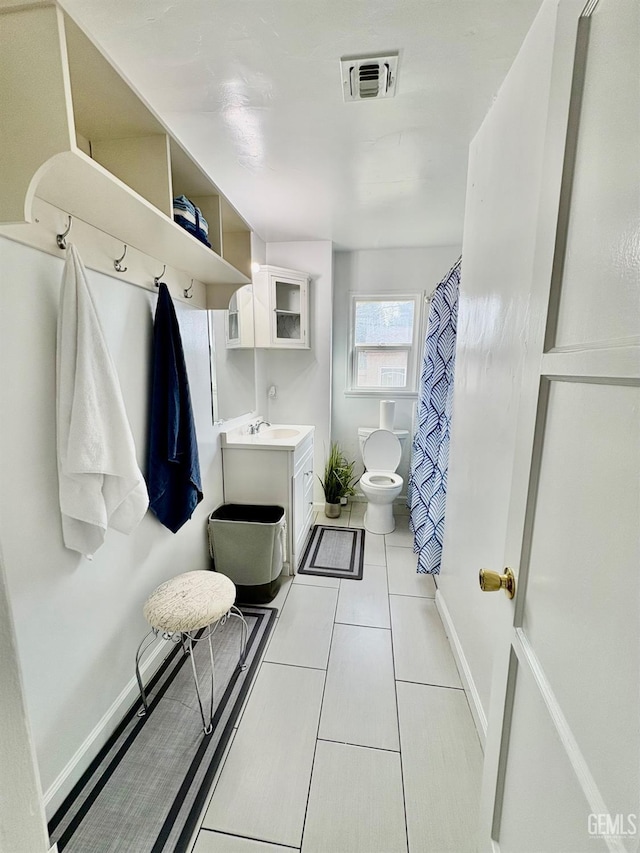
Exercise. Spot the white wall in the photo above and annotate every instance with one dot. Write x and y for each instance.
(376, 271)
(23, 827)
(503, 190)
(303, 377)
(78, 623)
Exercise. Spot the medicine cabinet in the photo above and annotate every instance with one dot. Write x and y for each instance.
(278, 312)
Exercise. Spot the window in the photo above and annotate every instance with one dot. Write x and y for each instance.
(384, 333)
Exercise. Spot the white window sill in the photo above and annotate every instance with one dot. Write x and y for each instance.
(390, 393)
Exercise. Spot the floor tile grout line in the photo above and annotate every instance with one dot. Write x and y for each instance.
(359, 745)
(315, 747)
(395, 688)
(429, 684)
(214, 785)
(412, 595)
(295, 665)
(250, 838)
(407, 595)
(358, 625)
(321, 585)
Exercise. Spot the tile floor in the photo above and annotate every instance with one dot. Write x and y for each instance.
(357, 736)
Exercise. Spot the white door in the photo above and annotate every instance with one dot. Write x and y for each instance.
(562, 760)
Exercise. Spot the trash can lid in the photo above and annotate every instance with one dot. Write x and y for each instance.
(253, 513)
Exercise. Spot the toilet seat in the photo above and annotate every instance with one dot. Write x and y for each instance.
(381, 453)
(381, 479)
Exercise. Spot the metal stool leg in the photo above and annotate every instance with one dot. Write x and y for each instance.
(152, 634)
(235, 611)
(207, 727)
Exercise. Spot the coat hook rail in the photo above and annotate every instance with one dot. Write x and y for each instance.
(158, 278)
(187, 292)
(61, 238)
(117, 264)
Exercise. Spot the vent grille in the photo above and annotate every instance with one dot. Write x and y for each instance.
(368, 78)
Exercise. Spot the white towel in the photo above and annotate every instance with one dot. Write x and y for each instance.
(100, 483)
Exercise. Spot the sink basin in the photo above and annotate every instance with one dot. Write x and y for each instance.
(280, 432)
(275, 437)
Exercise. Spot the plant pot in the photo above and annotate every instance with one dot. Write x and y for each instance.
(332, 510)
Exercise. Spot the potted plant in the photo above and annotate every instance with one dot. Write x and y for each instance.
(338, 480)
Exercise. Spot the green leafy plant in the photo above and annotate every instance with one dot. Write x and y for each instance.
(339, 479)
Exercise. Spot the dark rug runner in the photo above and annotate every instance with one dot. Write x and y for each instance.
(334, 552)
(145, 791)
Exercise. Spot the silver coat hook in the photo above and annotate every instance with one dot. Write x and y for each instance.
(158, 278)
(187, 292)
(117, 264)
(60, 238)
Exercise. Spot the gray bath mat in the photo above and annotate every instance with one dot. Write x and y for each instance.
(334, 552)
(145, 791)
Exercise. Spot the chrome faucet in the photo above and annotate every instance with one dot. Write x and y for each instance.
(254, 429)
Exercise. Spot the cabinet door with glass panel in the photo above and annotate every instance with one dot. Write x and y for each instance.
(281, 308)
(239, 319)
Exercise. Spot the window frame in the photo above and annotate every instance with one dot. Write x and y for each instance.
(413, 350)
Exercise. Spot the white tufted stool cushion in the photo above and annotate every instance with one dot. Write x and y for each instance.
(190, 601)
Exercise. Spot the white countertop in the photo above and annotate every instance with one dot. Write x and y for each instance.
(273, 437)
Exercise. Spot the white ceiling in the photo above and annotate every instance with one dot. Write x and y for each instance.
(252, 88)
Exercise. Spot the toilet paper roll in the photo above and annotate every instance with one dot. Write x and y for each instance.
(387, 414)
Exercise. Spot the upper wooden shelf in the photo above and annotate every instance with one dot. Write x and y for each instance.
(76, 134)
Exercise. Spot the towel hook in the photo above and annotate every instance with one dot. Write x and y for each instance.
(60, 238)
(187, 292)
(158, 278)
(117, 264)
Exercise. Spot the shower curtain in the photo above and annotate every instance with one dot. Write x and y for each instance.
(427, 488)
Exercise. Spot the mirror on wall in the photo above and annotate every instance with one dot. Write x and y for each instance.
(233, 376)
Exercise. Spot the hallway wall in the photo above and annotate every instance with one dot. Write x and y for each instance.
(78, 622)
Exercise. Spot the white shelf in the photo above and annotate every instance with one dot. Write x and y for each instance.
(76, 134)
(72, 181)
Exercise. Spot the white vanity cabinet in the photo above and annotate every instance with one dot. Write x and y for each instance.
(270, 474)
(281, 308)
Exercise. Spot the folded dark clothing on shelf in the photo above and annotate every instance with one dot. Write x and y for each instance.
(198, 233)
(189, 216)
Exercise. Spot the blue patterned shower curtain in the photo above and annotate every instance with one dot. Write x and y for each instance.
(427, 489)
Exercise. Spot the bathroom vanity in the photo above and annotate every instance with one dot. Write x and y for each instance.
(273, 466)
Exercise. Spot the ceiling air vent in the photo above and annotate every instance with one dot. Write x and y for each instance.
(368, 78)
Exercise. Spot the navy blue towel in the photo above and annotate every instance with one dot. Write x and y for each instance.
(173, 471)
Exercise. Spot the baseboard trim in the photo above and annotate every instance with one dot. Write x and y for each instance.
(93, 743)
(477, 711)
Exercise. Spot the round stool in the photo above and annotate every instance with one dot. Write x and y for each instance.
(178, 610)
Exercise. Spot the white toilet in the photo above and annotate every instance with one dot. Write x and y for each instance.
(381, 453)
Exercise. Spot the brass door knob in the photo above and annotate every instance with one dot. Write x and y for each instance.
(492, 581)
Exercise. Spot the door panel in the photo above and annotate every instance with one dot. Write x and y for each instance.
(582, 568)
(604, 226)
(544, 807)
(562, 766)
